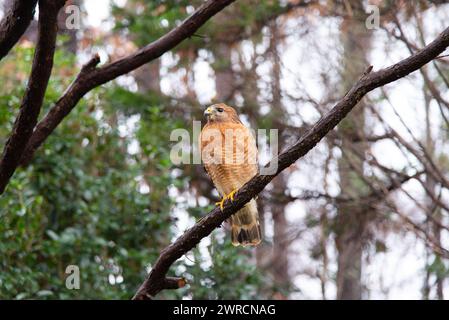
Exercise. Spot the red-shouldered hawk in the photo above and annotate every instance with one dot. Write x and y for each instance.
(229, 154)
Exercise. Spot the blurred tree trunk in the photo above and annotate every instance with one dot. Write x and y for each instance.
(433, 223)
(280, 263)
(224, 75)
(148, 78)
(351, 218)
(71, 42)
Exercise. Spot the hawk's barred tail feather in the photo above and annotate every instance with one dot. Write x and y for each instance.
(245, 227)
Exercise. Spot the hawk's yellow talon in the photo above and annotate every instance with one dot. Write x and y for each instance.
(221, 203)
(231, 195)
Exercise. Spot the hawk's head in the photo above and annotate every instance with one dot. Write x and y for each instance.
(221, 112)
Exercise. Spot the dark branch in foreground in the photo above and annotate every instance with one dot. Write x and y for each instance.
(156, 280)
(91, 77)
(15, 23)
(35, 90)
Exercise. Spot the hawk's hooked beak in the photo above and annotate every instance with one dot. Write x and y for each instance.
(208, 111)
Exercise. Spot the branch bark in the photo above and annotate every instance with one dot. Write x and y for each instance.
(90, 78)
(35, 90)
(15, 23)
(155, 281)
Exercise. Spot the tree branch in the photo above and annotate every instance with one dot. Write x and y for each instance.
(154, 282)
(90, 78)
(15, 23)
(35, 90)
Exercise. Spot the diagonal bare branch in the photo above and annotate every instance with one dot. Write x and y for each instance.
(156, 280)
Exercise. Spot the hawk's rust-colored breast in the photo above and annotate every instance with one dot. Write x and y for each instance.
(229, 155)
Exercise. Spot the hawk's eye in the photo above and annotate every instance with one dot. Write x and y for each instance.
(220, 109)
